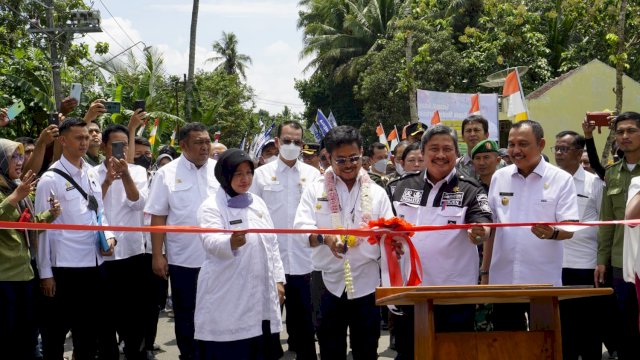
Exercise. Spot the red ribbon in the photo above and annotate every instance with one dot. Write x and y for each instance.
(396, 224)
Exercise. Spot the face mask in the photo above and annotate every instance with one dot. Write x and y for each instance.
(381, 166)
(216, 156)
(144, 161)
(290, 152)
(399, 169)
(240, 201)
(270, 159)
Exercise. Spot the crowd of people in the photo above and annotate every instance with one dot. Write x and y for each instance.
(229, 289)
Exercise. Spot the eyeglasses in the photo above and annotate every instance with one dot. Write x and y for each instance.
(323, 158)
(352, 159)
(562, 149)
(289, 141)
(17, 157)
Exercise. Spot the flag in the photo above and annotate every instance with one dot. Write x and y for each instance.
(173, 136)
(152, 136)
(323, 123)
(216, 137)
(243, 142)
(332, 120)
(404, 131)
(382, 138)
(435, 119)
(256, 138)
(144, 126)
(475, 105)
(393, 138)
(263, 139)
(513, 90)
(316, 132)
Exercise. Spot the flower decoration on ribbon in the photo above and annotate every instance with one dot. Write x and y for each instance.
(392, 273)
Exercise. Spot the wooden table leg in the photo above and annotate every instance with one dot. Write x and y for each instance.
(424, 331)
(545, 315)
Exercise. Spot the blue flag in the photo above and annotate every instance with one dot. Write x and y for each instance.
(316, 132)
(332, 120)
(323, 123)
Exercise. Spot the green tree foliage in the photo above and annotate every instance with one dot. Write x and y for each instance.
(230, 61)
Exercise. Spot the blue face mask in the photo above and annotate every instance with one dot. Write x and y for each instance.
(240, 201)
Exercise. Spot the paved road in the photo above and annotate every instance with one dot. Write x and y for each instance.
(169, 349)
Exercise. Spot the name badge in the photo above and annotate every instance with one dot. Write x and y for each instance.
(506, 194)
(323, 199)
(235, 222)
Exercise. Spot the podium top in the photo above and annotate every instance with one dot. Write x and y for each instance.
(482, 294)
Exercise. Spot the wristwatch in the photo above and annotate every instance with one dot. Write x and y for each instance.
(320, 239)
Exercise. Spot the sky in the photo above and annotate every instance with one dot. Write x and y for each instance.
(266, 31)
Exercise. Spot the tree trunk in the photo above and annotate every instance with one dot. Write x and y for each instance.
(55, 59)
(413, 101)
(192, 59)
(622, 15)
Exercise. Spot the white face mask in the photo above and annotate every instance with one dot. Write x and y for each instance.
(270, 159)
(381, 166)
(399, 169)
(290, 152)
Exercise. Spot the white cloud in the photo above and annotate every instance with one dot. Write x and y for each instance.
(272, 74)
(280, 9)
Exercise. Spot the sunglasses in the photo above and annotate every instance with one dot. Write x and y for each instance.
(289, 141)
(352, 159)
(17, 157)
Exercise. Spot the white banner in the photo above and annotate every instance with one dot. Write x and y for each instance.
(454, 107)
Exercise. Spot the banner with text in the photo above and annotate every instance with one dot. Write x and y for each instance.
(454, 107)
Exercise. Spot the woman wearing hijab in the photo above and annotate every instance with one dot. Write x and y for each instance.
(16, 273)
(240, 286)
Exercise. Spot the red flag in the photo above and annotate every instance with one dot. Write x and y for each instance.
(475, 105)
(436, 118)
(216, 136)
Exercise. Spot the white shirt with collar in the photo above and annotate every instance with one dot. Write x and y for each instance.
(237, 288)
(281, 186)
(581, 251)
(547, 194)
(177, 191)
(631, 246)
(314, 213)
(120, 210)
(69, 248)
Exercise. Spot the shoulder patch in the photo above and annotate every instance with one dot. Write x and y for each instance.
(483, 203)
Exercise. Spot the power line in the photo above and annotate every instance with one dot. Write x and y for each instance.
(117, 23)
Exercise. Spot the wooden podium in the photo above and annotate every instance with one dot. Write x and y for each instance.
(542, 341)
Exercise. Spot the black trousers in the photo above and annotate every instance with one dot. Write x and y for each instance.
(155, 299)
(361, 316)
(447, 318)
(581, 322)
(627, 317)
(79, 305)
(16, 320)
(299, 321)
(184, 283)
(255, 348)
(125, 284)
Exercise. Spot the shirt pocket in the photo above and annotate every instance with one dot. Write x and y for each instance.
(180, 197)
(272, 194)
(450, 215)
(409, 212)
(618, 201)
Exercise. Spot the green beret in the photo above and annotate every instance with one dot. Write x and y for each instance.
(484, 146)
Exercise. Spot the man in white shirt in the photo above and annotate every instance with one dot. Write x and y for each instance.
(280, 184)
(177, 191)
(345, 197)
(124, 193)
(441, 195)
(579, 338)
(530, 190)
(70, 262)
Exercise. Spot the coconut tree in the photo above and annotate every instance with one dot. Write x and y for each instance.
(230, 61)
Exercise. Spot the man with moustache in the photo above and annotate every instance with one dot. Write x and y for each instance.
(475, 128)
(177, 191)
(530, 190)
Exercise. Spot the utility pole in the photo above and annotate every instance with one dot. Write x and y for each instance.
(82, 21)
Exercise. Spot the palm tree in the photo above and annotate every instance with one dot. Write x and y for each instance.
(230, 60)
(338, 33)
(192, 60)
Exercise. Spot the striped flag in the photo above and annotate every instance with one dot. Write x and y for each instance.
(513, 90)
(332, 120)
(435, 119)
(393, 138)
(382, 138)
(475, 105)
(153, 135)
(144, 126)
(216, 137)
(173, 136)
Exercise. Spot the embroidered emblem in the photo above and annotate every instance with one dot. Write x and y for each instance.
(452, 199)
(505, 201)
(411, 196)
(483, 203)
